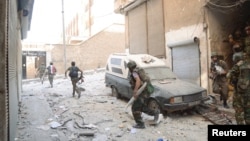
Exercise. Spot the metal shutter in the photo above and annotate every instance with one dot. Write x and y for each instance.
(186, 61)
(156, 34)
(146, 29)
(137, 29)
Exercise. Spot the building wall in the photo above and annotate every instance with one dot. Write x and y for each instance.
(93, 53)
(181, 13)
(14, 48)
(182, 23)
(10, 76)
(3, 70)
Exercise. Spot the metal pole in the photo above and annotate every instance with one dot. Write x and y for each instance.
(89, 18)
(64, 46)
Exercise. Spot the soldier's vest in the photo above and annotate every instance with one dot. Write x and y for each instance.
(144, 78)
(244, 77)
(233, 75)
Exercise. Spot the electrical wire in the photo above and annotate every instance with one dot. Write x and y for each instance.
(238, 3)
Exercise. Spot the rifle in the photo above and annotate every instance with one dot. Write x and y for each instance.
(217, 70)
(132, 99)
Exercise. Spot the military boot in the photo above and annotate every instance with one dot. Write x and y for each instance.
(225, 104)
(139, 126)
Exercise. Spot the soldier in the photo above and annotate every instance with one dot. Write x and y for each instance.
(237, 42)
(233, 75)
(73, 73)
(139, 104)
(41, 70)
(51, 73)
(243, 86)
(218, 71)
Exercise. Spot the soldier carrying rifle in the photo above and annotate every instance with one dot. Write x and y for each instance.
(218, 71)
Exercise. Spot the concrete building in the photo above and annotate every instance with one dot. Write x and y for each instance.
(183, 32)
(15, 17)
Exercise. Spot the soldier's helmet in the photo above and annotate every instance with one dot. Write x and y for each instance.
(131, 65)
(214, 54)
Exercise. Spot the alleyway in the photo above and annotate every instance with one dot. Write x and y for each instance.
(52, 114)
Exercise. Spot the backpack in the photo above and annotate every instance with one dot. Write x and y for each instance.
(73, 72)
(145, 78)
(53, 70)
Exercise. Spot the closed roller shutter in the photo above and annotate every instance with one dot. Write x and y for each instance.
(13, 88)
(137, 29)
(156, 36)
(13, 45)
(146, 29)
(186, 61)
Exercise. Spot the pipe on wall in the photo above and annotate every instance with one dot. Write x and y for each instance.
(131, 5)
(183, 42)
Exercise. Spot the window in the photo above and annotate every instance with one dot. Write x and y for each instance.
(116, 70)
(116, 61)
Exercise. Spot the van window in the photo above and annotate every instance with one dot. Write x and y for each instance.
(116, 61)
(116, 70)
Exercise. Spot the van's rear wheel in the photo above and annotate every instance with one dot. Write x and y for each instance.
(114, 92)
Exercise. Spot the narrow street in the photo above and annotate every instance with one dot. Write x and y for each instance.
(52, 114)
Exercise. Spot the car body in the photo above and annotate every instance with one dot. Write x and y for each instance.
(170, 94)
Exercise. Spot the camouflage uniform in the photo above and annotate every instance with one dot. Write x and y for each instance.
(233, 75)
(243, 87)
(220, 84)
(41, 70)
(140, 104)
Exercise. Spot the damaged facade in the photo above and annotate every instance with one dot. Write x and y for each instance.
(184, 33)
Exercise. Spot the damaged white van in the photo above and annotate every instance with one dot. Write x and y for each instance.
(171, 94)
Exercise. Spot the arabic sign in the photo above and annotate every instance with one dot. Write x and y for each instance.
(34, 53)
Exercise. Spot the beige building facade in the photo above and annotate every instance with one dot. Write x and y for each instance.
(183, 32)
(92, 53)
(15, 17)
